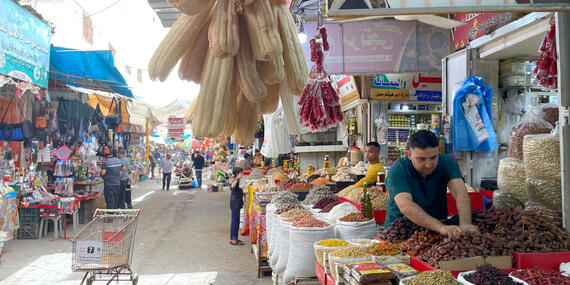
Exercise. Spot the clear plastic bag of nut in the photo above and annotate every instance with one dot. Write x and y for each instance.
(504, 199)
(541, 155)
(511, 177)
(550, 112)
(544, 192)
(532, 122)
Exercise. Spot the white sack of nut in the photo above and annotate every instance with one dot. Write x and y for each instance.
(242, 52)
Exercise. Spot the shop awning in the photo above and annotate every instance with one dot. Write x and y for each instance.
(87, 69)
(139, 112)
(105, 103)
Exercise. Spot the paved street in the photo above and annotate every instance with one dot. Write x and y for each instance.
(182, 238)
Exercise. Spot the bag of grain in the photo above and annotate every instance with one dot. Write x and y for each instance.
(355, 226)
(545, 192)
(541, 155)
(531, 123)
(301, 260)
(511, 177)
(346, 255)
(323, 247)
(283, 247)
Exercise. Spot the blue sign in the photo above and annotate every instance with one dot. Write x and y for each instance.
(24, 45)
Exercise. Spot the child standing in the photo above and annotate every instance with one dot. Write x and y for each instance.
(236, 203)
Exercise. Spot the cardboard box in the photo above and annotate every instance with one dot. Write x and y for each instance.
(471, 263)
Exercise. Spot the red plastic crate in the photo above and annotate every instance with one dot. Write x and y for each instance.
(380, 216)
(321, 273)
(487, 194)
(420, 265)
(543, 260)
(476, 203)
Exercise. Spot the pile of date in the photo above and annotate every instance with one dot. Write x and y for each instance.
(502, 232)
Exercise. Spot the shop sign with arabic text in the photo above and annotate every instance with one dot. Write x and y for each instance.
(407, 87)
(24, 45)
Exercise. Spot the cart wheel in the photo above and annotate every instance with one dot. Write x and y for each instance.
(135, 279)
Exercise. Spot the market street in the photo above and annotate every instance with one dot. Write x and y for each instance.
(182, 238)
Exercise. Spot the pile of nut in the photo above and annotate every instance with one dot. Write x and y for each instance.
(295, 186)
(307, 222)
(288, 208)
(434, 277)
(354, 217)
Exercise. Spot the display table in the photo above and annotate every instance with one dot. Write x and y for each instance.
(80, 185)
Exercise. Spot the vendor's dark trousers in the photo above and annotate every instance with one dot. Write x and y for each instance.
(166, 180)
(199, 176)
(128, 199)
(234, 227)
(152, 170)
(112, 196)
(125, 196)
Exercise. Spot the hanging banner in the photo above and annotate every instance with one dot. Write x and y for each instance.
(175, 130)
(385, 46)
(478, 25)
(407, 87)
(24, 45)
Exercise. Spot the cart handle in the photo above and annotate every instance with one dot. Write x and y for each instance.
(131, 211)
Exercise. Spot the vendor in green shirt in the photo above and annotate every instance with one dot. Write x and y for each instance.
(418, 185)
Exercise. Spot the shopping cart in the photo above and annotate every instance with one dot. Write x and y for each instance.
(104, 248)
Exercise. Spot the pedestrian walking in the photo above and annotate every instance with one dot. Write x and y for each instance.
(166, 166)
(232, 160)
(125, 181)
(236, 203)
(198, 161)
(152, 165)
(111, 171)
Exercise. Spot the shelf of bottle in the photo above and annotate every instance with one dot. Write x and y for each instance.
(412, 112)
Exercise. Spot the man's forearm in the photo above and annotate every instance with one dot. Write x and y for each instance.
(463, 203)
(417, 215)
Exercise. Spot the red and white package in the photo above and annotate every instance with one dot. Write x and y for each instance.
(320, 105)
(546, 71)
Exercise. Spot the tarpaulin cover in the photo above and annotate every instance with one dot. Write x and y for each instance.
(77, 68)
(105, 103)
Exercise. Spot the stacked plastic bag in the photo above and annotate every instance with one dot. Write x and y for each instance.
(531, 175)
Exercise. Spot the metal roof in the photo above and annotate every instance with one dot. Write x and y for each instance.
(165, 12)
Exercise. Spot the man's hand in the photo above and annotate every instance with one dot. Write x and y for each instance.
(469, 228)
(450, 231)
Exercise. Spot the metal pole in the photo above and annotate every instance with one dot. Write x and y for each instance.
(562, 47)
(147, 141)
